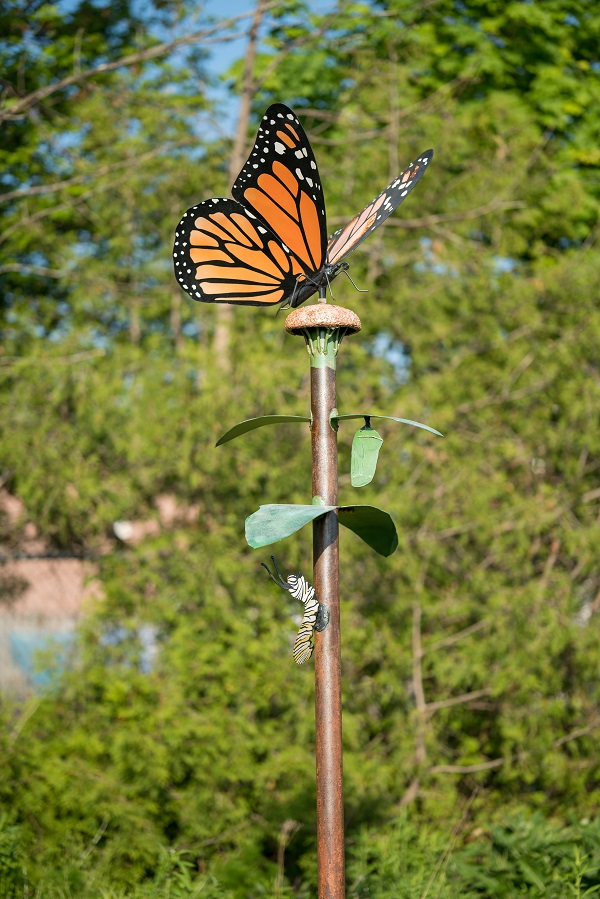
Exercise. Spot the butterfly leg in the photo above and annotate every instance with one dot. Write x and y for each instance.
(345, 271)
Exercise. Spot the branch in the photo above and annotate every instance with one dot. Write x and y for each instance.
(591, 495)
(96, 839)
(19, 557)
(297, 42)
(445, 856)
(421, 751)
(517, 756)
(74, 201)
(550, 563)
(248, 90)
(580, 732)
(95, 173)
(468, 769)
(411, 793)
(71, 359)
(224, 312)
(488, 400)
(30, 270)
(456, 700)
(28, 712)
(428, 221)
(42, 93)
(516, 373)
(355, 137)
(454, 638)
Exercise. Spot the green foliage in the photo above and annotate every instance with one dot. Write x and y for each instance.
(525, 856)
(404, 860)
(13, 876)
(177, 757)
(78, 217)
(531, 857)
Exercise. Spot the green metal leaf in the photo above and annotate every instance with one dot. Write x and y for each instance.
(372, 525)
(404, 421)
(252, 423)
(276, 521)
(365, 450)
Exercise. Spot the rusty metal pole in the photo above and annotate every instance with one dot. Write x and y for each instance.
(323, 327)
(328, 688)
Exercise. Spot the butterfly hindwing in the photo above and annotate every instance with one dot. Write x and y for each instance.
(347, 239)
(280, 184)
(223, 254)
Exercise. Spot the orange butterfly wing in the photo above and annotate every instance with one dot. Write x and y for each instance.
(347, 239)
(224, 255)
(280, 183)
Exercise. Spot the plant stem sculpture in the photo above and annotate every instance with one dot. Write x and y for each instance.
(323, 326)
(269, 246)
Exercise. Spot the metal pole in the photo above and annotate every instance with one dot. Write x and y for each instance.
(328, 687)
(323, 326)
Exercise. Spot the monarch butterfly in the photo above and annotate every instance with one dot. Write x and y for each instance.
(269, 244)
(316, 616)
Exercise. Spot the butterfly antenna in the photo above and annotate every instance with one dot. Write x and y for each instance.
(278, 571)
(360, 290)
(280, 582)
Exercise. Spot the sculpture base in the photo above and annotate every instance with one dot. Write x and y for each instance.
(322, 315)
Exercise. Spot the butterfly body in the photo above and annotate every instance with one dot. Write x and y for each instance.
(269, 244)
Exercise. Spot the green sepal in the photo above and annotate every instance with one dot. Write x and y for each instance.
(252, 423)
(404, 421)
(276, 521)
(365, 450)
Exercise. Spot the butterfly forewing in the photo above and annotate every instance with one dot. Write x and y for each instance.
(347, 239)
(280, 184)
(223, 254)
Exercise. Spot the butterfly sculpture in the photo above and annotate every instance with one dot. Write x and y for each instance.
(269, 244)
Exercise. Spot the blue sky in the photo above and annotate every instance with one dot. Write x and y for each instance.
(224, 54)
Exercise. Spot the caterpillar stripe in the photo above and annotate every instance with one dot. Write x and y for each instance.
(316, 616)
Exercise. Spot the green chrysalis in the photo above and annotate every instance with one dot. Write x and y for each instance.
(365, 450)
